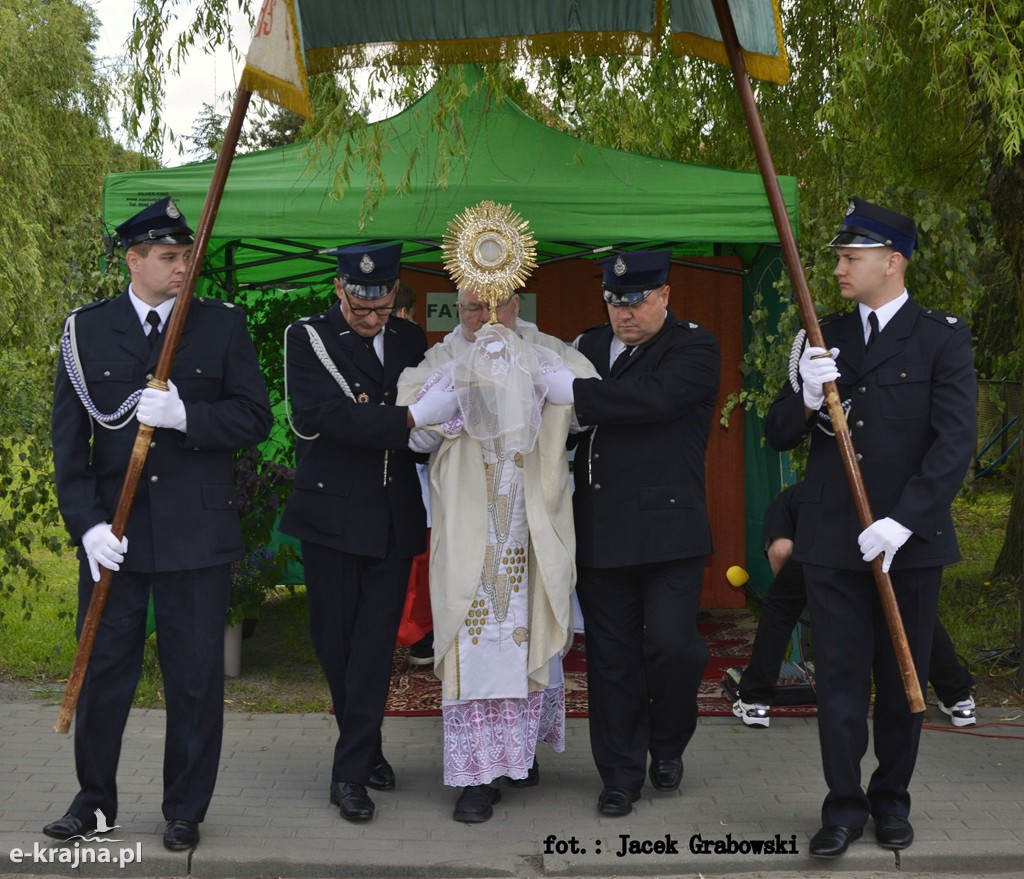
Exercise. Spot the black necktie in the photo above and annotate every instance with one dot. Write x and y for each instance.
(873, 332)
(620, 361)
(153, 319)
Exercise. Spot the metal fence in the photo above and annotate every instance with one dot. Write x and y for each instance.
(999, 403)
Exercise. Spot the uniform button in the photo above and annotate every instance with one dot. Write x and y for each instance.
(149, 376)
(154, 478)
(862, 390)
(595, 456)
(198, 371)
(319, 485)
(859, 456)
(597, 486)
(358, 385)
(152, 445)
(671, 500)
(859, 424)
(391, 480)
(903, 375)
(106, 373)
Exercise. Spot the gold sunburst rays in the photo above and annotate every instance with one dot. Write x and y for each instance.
(490, 248)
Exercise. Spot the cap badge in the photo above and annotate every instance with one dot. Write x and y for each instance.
(366, 265)
(850, 208)
(172, 209)
(950, 319)
(620, 267)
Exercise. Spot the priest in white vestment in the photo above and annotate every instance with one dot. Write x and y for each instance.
(502, 549)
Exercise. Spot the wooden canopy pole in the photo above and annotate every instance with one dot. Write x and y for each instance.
(802, 293)
(140, 450)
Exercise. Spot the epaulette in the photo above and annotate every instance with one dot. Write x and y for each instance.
(832, 318)
(90, 305)
(591, 329)
(944, 318)
(688, 325)
(310, 317)
(222, 303)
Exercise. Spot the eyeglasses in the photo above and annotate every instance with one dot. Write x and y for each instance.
(364, 311)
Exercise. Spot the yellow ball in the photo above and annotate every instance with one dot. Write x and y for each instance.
(737, 576)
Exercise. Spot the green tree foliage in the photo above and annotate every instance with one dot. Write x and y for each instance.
(54, 151)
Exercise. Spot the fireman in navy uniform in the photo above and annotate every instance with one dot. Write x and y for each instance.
(907, 374)
(184, 530)
(356, 506)
(642, 529)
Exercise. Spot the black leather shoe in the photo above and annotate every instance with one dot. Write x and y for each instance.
(617, 801)
(475, 803)
(67, 827)
(893, 832)
(532, 777)
(353, 801)
(666, 774)
(382, 776)
(832, 841)
(180, 835)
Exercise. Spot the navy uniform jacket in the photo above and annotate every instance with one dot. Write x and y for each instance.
(639, 475)
(358, 476)
(912, 422)
(184, 516)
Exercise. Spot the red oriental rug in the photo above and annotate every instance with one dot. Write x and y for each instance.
(416, 692)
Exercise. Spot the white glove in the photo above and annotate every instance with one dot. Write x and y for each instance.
(815, 372)
(559, 385)
(102, 548)
(436, 406)
(883, 535)
(424, 441)
(162, 408)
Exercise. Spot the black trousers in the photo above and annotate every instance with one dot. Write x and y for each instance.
(645, 662)
(784, 602)
(355, 607)
(852, 645)
(191, 612)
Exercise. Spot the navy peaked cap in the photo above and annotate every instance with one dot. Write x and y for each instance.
(629, 277)
(160, 223)
(369, 272)
(868, 225)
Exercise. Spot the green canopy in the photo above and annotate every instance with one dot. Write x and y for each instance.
(279, 204)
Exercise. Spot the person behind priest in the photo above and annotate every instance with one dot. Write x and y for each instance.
(184, 530)
(502, 557)
(355, 506)
(907, 375)
(642, 528)
(422, 651)
(780, 611)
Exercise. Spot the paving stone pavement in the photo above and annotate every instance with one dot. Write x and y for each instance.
(270, 816)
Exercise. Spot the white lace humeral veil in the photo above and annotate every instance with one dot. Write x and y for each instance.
(502, 548)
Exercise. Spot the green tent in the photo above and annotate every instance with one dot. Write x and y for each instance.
(280, 203)
(279, 212)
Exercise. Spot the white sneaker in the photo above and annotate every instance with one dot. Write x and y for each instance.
(752, 713)
(962, 714)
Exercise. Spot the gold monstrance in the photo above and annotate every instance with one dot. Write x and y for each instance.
(489, 248)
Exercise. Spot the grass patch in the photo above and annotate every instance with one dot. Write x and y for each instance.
(982, 615)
